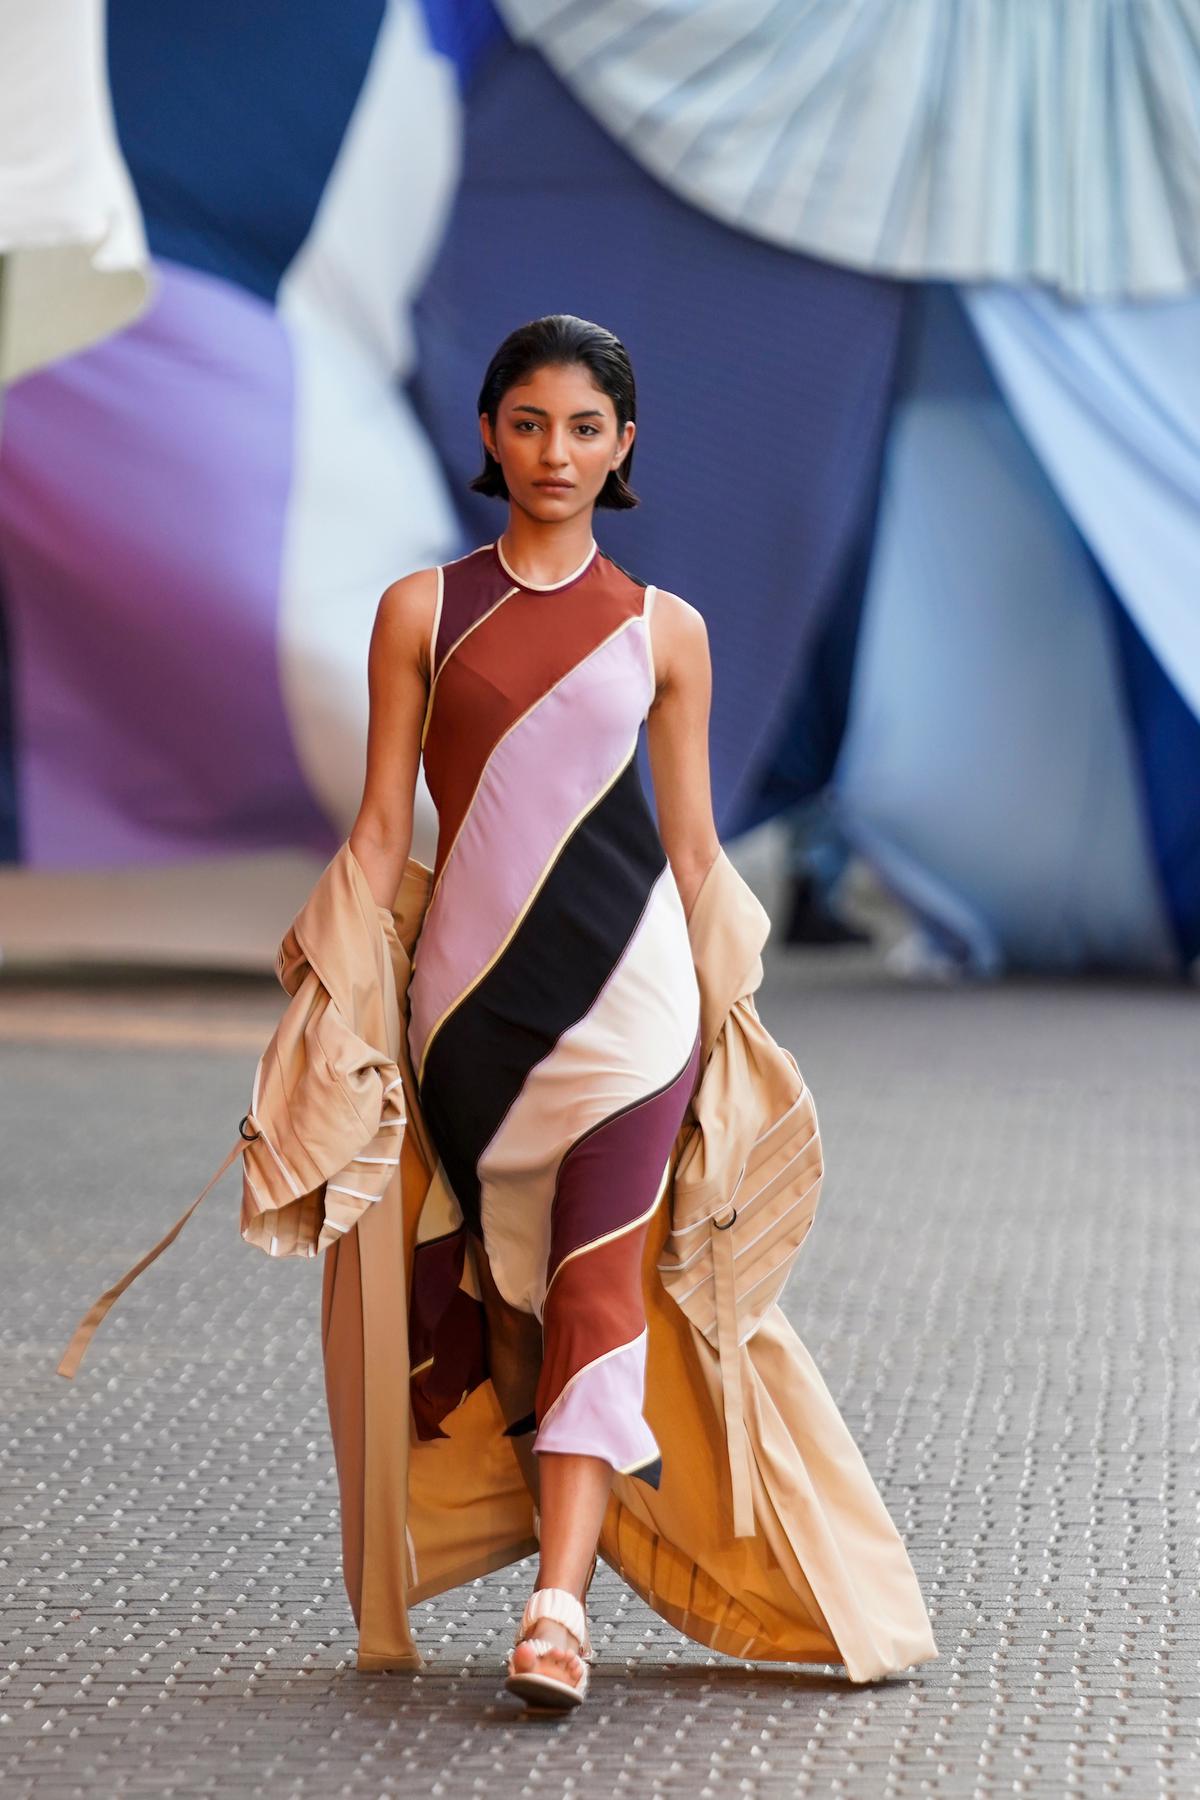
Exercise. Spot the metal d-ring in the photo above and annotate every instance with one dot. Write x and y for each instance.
(727, 1224)
(247, 1137)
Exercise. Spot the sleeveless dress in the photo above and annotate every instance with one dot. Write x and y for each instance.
(554, 1012)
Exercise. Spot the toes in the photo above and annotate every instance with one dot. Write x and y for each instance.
(552, 1662)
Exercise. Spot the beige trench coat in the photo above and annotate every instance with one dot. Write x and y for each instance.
(768, 1540)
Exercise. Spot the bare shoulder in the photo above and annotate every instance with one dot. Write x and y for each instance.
(680, 638)
(404, 618)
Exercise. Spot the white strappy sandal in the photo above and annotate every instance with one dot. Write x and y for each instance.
(532, 1685)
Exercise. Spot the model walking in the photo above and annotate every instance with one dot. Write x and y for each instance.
(553, 1005)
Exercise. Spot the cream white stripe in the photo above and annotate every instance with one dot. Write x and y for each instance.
(651, 595)
(642, 1024)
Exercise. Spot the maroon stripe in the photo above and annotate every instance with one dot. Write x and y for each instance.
(514, 657)
(610, 1176)
(469, 587)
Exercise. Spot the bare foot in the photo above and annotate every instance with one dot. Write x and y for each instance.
(564, 1662)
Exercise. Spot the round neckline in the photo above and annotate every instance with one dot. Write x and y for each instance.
(545, 587)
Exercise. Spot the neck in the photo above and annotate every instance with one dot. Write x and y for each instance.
(545, 551)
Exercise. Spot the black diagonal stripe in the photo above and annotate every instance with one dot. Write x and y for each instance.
(650, 1473)
(546, 979)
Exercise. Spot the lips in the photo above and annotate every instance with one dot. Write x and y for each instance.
(555, 487)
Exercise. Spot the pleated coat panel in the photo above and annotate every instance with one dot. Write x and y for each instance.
(768, 1542)
(824, 1576)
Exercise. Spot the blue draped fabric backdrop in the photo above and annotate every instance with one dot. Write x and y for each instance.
(944, 533)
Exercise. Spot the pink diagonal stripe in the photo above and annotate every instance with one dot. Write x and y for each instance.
(599, 1412)
(537, 781)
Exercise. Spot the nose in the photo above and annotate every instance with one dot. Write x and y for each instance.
(554, 448)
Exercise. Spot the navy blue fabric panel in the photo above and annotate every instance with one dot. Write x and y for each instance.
(10, 846)
(811, 736)
(463, 30)
(1168, 740)
(230, 116)
(763, 384)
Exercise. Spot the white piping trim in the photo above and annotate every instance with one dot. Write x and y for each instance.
(594, 1364)
(544, 587)
(473, 626)
(609, 1236)
(589, 806)
(648, 599)
(538, 701)
(437, 619)
(291, 1180)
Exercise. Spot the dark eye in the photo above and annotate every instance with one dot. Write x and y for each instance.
(591, 429)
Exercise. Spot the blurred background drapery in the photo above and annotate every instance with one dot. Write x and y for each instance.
(911, 297)
(73, 263)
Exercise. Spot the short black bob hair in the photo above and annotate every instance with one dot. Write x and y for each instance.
(562, 339)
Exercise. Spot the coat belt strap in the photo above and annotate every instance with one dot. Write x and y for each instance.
(729, 1357)
(86, 1328)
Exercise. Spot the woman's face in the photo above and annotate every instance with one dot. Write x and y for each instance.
(556, 440)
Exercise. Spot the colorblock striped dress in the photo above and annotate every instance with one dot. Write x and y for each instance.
(554, 1014)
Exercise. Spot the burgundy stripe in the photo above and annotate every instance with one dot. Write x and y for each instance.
(469, 587)
(514, 657)
(610, 1175)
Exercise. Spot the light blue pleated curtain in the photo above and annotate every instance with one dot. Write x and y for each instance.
(1055, 141)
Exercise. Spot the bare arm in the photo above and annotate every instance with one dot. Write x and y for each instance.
(398, 684)
(677, 739)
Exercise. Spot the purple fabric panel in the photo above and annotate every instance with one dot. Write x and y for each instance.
(143, 493)
(599, 1412)
(611, 1175)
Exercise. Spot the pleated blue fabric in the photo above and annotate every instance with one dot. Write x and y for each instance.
(996, 140)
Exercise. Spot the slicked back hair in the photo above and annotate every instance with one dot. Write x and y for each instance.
(559, 340)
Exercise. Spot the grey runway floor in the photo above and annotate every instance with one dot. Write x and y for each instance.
(1001, 1290)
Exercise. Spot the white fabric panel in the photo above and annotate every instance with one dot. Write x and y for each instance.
(71, 241)
(1109, 397)
(988, 769)
(369, 500)
(1001, 139)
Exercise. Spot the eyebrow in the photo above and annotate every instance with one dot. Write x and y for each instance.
(592, 413)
